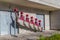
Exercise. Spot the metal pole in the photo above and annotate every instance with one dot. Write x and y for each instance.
(15, 25)
(11, 19)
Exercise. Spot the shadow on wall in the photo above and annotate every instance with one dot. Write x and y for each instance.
(25, 28)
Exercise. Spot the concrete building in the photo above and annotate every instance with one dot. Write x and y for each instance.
(45, 10)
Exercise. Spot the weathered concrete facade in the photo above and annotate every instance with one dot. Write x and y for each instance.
(6, 7)
(53, 3)
(55, 20)
(51, 20)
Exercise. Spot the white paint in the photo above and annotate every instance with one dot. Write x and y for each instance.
(47, 23)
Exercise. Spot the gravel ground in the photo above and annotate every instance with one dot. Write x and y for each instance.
(28, 36)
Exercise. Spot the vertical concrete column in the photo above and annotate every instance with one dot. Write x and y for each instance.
(47, 22)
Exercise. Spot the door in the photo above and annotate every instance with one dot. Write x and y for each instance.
(6, 23)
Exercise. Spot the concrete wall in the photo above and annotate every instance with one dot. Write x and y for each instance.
(46, 16)
(53, 3)
(55, 20)
(47, 21)
(5, 6)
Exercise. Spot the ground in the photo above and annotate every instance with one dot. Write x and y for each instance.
(28, 35)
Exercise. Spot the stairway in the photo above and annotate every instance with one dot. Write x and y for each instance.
(26, 24)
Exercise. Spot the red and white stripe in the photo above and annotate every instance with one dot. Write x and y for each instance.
(27, 24)
(36, 27)
(21, 19)
(31, 25)
(21, 22)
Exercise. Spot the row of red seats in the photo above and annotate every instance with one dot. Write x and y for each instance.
(27, 19)
(31, 21)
